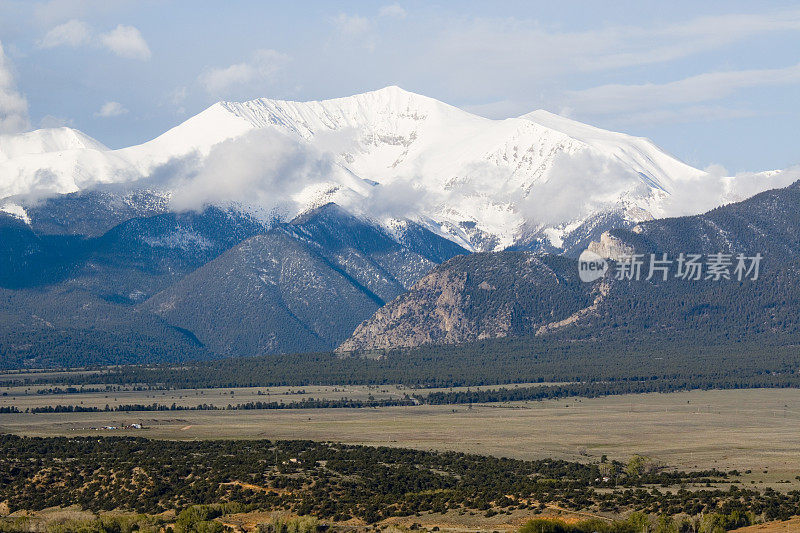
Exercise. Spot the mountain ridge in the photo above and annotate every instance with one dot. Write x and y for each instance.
(301, 286)
(81, 283)
(532, 181)
(441, 308)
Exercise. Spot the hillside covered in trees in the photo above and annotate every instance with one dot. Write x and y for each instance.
(519, 294)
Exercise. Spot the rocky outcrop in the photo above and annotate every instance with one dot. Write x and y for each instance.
(434, 314)
(611, 247)
(477, 297)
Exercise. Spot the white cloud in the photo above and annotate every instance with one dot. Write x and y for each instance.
(615, 98)
(55, 11)
(352, 25)
(481, 59)
(360, 31)
(263, 168)
(111, 109)
(720, 187)
(177, 97)
(680, 101)
(695, 113)
(578, 184)
(126, 41)
(51, 121)
(72, 33)
(355, 30)
(643, 46)
(392, 10)
(514, 43)
(747, 184)
(13, 105)
(219, 80)
(400, 198)
(261, 68)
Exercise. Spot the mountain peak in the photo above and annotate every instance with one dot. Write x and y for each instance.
(306, 117)
(322, 211)
(392, 90)
(388, 92)
(45, 141)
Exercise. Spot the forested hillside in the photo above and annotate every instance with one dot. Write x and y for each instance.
(510, 294)
(81, 282)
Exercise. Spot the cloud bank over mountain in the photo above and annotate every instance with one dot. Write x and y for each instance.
(263, 168)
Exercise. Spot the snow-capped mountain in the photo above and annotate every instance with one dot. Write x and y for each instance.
(532, 181)
(45, 141)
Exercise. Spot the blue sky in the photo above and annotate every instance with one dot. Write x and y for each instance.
(711, 82)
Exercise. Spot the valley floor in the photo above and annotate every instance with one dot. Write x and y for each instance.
(748, 429)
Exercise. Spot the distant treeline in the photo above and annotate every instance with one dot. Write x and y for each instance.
(503, 394)
(107, 388)
(308, 403)
(762, 362)
(595, 389)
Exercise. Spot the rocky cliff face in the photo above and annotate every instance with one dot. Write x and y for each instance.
(480, 296)
(434, 315)
(611, 247)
